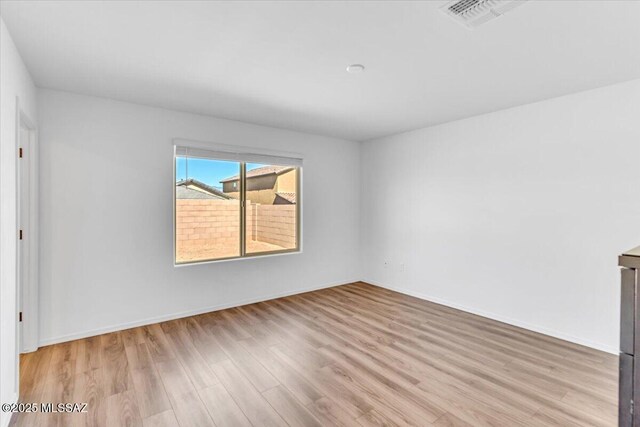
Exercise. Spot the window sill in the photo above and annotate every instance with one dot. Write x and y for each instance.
(239, 258)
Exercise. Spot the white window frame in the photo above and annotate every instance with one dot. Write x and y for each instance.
(242, 155)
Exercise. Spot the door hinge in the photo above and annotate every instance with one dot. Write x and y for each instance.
(20, 317)
(20, 234)
(20, 152)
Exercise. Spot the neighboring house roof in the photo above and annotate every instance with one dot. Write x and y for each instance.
(289, 197)
(183, 193)
(264, 170)
(182, 189)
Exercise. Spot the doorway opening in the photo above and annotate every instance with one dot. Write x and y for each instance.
(27, 235)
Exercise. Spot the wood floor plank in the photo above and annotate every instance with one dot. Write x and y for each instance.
(393, 387)
(330, 413)
(252, 369)
(63, 368)
(222, 408)
(259, 326)
(138, 356)
(570, 383)
(33, 373)
(229, 320)
(149, 391)
(250, 401)
(122, 410)
(560, 414)
(592, 405)
(60, 383)
(115, 364)
(350, 355)
(375, 419)
(294, 382)
(175, 380)
(448, 420)
(192, 362)
(186, 403)
(400, 411)
(289, 408)
(255, 327)
(190, 411)
(204, 343)
(132, 337)
(311, 357)
(350, 402)
(163, 419)
(465, 404)
(89, 389)
(148, 387)
(157, 343)
(89, 354)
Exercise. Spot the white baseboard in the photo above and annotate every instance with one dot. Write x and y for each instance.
(173, 316)
(6, 416)
(535, 328)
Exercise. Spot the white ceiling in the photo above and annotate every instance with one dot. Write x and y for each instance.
(283, 63)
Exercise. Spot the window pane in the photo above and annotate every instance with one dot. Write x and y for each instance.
(207, 218)
(271, 210)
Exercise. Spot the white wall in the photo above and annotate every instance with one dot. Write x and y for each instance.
(15, 81)
(106, 217)
(518, 215)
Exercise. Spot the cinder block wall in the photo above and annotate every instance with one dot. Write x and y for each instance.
(276, 224)
(201, 222)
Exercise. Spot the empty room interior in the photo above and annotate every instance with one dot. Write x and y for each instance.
(320, 213)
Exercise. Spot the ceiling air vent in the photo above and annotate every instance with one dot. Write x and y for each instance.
(473, 13)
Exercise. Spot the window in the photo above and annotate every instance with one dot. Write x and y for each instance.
(233, 205)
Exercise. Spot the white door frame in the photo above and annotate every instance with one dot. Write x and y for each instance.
(27, 334)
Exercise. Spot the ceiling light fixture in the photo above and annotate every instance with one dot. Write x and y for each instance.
(355, 68)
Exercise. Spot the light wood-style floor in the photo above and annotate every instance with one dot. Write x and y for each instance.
(346, 356)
